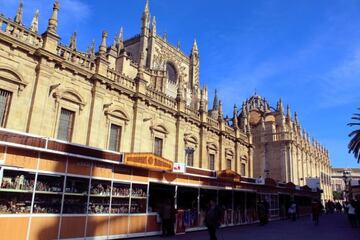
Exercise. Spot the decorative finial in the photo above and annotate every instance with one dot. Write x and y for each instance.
(120, 43)
(235, 119)
(146, 6)
(92, 49)
(19, 13)
(102, 48)
(53, 21)
(165, 36)
(178, 45)
(216, 101)
(194, 47)
(35, 22)
(280, 106)
(72, 44)
(288, 113)
(153, 26)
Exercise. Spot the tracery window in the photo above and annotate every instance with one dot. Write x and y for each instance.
(171, 73)
(5, 98)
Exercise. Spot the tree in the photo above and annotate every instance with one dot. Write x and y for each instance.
(354, 144)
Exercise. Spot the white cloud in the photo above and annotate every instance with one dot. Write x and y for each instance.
(340, 85)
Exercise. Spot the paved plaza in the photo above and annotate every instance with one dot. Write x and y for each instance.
(331, 227)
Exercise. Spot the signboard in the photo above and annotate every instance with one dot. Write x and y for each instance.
(179, 168)
(148, 161)
(313, 183)
(260, 180)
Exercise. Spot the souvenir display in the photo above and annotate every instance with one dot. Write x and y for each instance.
(18, 182)
(100, 189)
(98, 205)
(14, 203)
(138, 191)
(121, 190)
(77, 185)
(138, 206)
(74, 204)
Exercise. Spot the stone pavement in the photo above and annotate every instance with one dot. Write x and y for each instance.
(331, 227)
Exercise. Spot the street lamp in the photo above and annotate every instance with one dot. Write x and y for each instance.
(347, 178)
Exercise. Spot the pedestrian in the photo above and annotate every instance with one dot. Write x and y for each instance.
(338, 207)
(167, 214)
(352, 213)
(261, 213)
(292, 211)
(212, 219)
(316, 209)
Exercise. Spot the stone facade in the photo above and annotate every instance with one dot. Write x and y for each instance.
(150, 89)
(282, 149)
(144, 85)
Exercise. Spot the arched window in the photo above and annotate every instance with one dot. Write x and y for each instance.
(171, 73)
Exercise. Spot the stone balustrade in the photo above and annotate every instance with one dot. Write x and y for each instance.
(212, 122)
(75, 57)
(161, 98)
(120, 79)
(19, 32)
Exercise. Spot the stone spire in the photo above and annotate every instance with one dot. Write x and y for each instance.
(165, 37)
(194, 48)
(221, 114)
(120, 40)
(153, 26)
(92, 49)
(35, 22)
(72, 44)
(19, 13)
(216, 101)
(145, 19)
(296, 118)
(235, 119)
(102, 48)
(280, 107)
(53, 21)
(288, 113)
(178, 45)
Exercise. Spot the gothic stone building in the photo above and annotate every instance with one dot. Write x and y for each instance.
(93, 137)
(137, 95)
(282, 149)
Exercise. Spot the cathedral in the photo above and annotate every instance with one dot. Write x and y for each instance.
(93, 137)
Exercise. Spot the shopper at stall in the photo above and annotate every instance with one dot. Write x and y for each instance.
(167, 214)
(212, 219)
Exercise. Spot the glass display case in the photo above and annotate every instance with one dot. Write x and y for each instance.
(48, 193)
(138, 198)
(16, 192)
(120, 198)
(100, 192)
(76, 195)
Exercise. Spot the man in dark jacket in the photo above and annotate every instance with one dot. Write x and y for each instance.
(212, 219)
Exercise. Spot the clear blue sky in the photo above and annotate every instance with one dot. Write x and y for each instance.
(306, 52)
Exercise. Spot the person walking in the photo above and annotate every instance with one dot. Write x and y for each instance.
(212, 219)
(316, 209)
(292, 211)
(167, 214)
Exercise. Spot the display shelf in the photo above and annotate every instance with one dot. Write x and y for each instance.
(120, 205)
(76, 194)
(15, 190)
(138, 206)
(75, 204)
(48, 193)
(120, 196)
(99, 196)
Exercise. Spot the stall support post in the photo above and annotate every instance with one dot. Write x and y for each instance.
(233, 206)
(175, 197)
(198, 207)
(245, 211)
